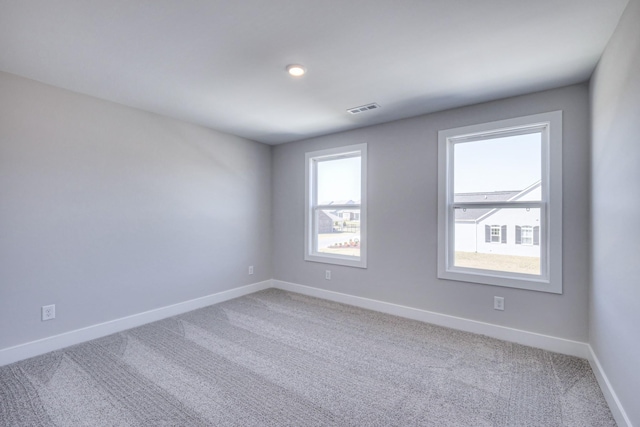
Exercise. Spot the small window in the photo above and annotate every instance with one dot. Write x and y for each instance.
(335, 217)
(500, 203)
(527, 235)
(495, 234)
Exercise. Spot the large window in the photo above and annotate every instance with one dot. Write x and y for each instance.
(336, 208)
(500, 203)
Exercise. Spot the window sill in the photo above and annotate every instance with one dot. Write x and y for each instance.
(510, 280)
(337, 260)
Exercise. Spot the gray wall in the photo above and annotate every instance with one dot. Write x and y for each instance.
(402, 228)
(108, 211)
(615, 205)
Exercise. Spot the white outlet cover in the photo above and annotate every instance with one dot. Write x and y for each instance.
(251, 269)
(327, 275)
(498, 303)
(48, 312)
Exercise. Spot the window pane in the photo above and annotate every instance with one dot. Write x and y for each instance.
(495, 234)
(497, 169)
(527, 235)
(498, 239)
(339, 181)
(338, 231)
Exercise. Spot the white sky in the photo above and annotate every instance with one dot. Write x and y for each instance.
(339, 180)
(509, 163)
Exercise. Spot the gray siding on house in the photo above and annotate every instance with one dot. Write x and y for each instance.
(325, 223)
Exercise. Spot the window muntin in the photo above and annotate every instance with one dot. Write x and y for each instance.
(493, 178)
(526, 235)
(335, 218)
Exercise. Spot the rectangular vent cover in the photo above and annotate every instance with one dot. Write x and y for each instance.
(363, 108)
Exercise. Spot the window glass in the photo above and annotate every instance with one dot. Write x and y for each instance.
(339, 180)
(496, 168)
(339, 232)
(481, 244)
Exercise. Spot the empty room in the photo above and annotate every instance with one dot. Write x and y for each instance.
(319, 213)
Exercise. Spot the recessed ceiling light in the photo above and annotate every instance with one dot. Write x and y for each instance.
(296, 70)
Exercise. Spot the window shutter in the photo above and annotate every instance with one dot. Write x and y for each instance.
(518, 235)
(536, 235)
(503, 233)
(487, 234)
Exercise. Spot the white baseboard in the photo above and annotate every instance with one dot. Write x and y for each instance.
(610, 395)
(545, 342)
(56, 342)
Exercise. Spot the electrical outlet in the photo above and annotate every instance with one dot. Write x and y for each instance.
(48, 312)
(251, 269)
(327, 274)
(498, 303)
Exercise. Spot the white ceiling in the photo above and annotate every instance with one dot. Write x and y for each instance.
(221, 63)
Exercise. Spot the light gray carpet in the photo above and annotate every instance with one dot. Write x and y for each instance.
(282, 359)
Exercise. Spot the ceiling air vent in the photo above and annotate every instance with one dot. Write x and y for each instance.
(363, 108)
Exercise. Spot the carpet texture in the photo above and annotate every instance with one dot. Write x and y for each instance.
(275, 358)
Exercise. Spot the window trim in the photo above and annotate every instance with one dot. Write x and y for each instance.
(550, 280)
(311, 205)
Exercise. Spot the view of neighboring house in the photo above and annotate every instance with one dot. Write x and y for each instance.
(339, 229)
(499, 231)
(331, 221)
(350, 215)
(327, 222)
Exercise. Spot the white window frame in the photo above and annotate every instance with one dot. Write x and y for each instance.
(529, 229)
(550, 127)
(312, 206)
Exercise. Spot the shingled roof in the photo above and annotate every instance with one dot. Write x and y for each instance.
(494, 196)
(474, 214)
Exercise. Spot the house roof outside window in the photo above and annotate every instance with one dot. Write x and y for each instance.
(474, 215)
